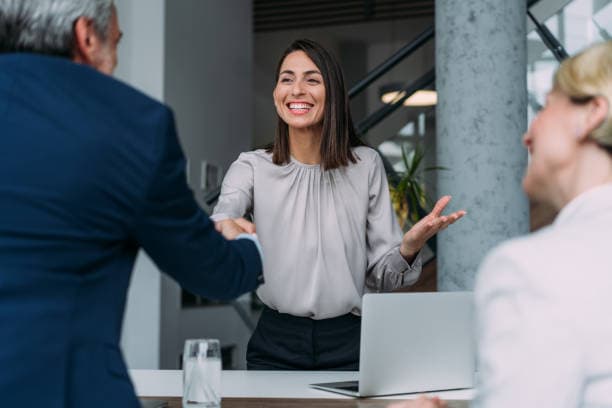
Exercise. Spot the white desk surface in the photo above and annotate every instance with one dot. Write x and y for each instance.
(263, 384)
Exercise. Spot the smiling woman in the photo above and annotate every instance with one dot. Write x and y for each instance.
(324, 218)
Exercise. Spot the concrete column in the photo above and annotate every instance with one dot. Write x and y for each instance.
(481, 116)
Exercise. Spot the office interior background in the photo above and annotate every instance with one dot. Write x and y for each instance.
(213, 63)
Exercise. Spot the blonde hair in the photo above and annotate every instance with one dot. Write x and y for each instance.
(585, 76)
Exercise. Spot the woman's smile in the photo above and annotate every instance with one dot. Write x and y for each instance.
(299, 108)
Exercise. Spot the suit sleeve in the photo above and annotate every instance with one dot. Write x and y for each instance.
(181, 239)
(527, 351)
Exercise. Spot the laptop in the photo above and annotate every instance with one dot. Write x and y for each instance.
(413, 342)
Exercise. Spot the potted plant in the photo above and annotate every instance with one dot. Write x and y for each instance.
(408, 194)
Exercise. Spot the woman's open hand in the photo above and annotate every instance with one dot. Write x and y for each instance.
(427, 227)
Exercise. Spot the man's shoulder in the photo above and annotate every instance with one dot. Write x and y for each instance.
(46, 73)
(81, 107)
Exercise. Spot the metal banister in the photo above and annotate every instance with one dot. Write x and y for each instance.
(392, 61)
(549, 39)
(372, 120)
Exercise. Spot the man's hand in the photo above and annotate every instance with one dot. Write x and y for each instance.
(421, 402)
(231, 228)
(427, 227)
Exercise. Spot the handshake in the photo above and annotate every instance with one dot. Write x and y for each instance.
(231, 228)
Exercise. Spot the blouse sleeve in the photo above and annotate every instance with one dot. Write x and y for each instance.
(387, 268)
(236, 199)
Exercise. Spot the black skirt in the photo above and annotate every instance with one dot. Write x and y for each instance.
(285, 342)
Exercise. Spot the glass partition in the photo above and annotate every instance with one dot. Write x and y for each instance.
(577, 24)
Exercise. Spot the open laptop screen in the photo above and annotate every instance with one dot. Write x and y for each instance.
(414, 342)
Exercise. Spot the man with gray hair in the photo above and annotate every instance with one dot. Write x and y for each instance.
(90, 171)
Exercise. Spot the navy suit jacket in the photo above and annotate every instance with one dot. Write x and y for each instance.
(90, 170)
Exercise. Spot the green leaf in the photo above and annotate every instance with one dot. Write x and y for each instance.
(410, 187)
(413, 204)
(436, 168)
(405, 159)
(417, 157)
(401, 186)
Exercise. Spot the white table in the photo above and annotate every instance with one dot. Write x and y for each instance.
(263, 384)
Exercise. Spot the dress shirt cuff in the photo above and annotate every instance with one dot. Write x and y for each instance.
(410, 271)
(220, 217)
(400, 263)
(253, 237)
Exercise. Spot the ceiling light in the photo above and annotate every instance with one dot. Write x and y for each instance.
(423, 97)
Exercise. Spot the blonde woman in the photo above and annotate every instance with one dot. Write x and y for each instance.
(544, 301)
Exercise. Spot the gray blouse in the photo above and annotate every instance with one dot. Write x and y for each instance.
(327, 236)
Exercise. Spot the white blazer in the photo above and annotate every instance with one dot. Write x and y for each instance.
(544, 312)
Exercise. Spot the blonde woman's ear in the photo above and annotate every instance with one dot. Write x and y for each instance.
(599, 111)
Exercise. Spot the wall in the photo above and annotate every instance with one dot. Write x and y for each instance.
(208, 83)
(141, 64)
(208, 78)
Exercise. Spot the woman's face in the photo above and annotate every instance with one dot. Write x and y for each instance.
(299, 95)
(553, 140)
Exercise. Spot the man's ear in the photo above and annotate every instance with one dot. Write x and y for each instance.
(87, 42)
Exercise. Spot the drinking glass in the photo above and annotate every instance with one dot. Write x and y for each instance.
(202, 373)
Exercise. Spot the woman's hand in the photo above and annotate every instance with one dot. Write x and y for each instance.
(231, 228)
(427, 227)
(421, 402)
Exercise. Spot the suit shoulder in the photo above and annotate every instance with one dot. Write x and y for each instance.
(63, 77)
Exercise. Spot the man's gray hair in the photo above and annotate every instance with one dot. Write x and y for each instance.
(47, 26)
